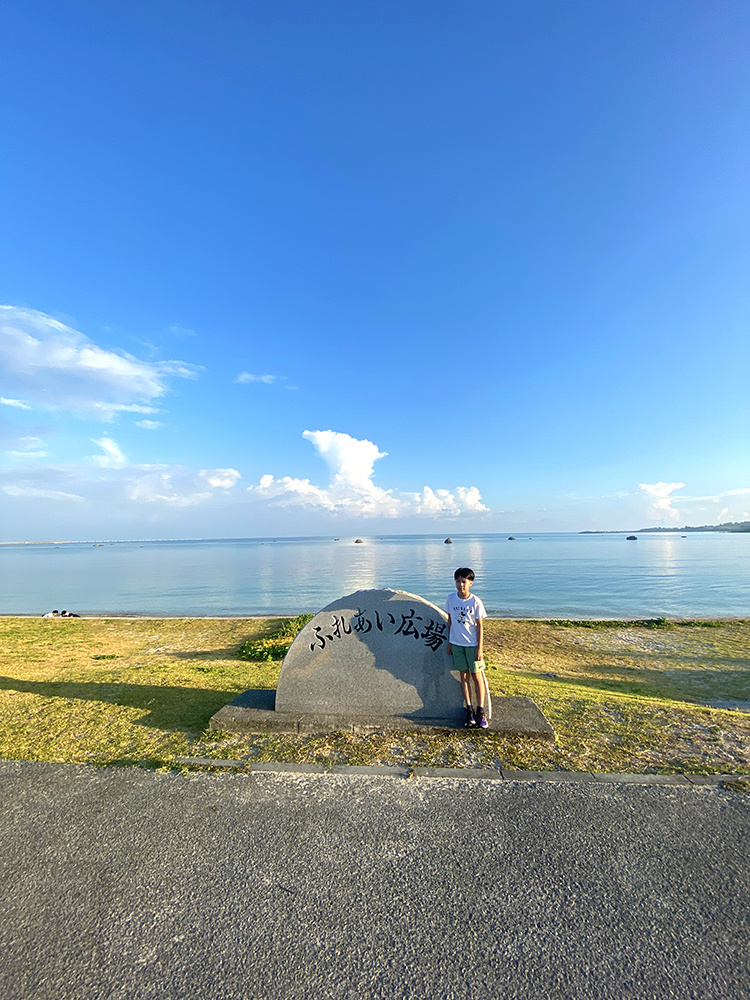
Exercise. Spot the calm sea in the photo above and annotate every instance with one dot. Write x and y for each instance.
(545, 575)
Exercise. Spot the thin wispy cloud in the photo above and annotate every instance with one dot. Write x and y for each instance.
(149, 425)
(17, 403)
(717, 497)
(700, 508)
(30, 442)
(176, 487)
(694, 509)
(159, 488)
(245, 377)
(112, 457)
(54, 367)
(34, 491)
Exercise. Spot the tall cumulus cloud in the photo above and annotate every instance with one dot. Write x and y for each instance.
(351, 489)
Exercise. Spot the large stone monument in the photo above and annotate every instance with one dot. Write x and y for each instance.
(375, 652)
(373, 661)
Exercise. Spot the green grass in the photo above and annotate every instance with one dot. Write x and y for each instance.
(274, 645)
(622, 696)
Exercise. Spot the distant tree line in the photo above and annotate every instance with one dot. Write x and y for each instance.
(726, 526)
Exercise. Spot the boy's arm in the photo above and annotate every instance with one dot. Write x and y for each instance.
(449, 647)
(480, 639)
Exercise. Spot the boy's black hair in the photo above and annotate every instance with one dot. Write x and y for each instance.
(464, 572)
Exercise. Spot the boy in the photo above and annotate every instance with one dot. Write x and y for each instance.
(465, 642)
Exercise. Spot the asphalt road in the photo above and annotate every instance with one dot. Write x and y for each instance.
(124, 884)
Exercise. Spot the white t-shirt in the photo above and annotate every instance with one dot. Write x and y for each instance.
(464, 615)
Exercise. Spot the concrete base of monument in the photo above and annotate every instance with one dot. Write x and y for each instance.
(254, 711)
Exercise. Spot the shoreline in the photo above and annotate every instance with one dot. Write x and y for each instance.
(567, 619)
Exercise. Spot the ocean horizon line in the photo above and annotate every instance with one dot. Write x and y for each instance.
(379, 536)
(263, 538)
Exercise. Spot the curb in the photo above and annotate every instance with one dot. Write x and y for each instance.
(475, 773)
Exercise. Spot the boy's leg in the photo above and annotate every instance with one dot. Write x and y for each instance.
(480, 689)
(467, 698)
(487, 696)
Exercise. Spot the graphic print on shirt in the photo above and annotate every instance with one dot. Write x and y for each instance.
(463, 615)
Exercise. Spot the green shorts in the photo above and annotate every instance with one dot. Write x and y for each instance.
(464, 659)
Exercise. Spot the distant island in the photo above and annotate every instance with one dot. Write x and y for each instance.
(726, 526)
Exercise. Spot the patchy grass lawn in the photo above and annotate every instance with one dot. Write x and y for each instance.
(622, 697)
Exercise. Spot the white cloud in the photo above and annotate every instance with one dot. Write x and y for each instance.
(119, 482)
(116, 481)
(113, 457)
(294, 491)
(180, 331)
(697, 509)
(27, 447)
(149, 425)
(714, 497)
(18, 403)
(471, 499)
(351, 490)
(34, 491)
(244, 377)
(435, 502)
(220, 479)
(159, 487)
(350, 461)
(175, 486)
(57, 368)
(662, 501)
(106, 411)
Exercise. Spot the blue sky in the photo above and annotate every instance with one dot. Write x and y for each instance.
(293, 268)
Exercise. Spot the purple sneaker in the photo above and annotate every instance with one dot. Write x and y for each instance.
(481, 719)
(470, 721)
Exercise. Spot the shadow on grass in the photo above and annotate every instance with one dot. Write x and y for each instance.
(719, 662)
(165, 707)
(696, 687)
(691, 649)
(223, 653)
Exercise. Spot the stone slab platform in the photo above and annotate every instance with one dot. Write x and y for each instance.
(254, 711)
